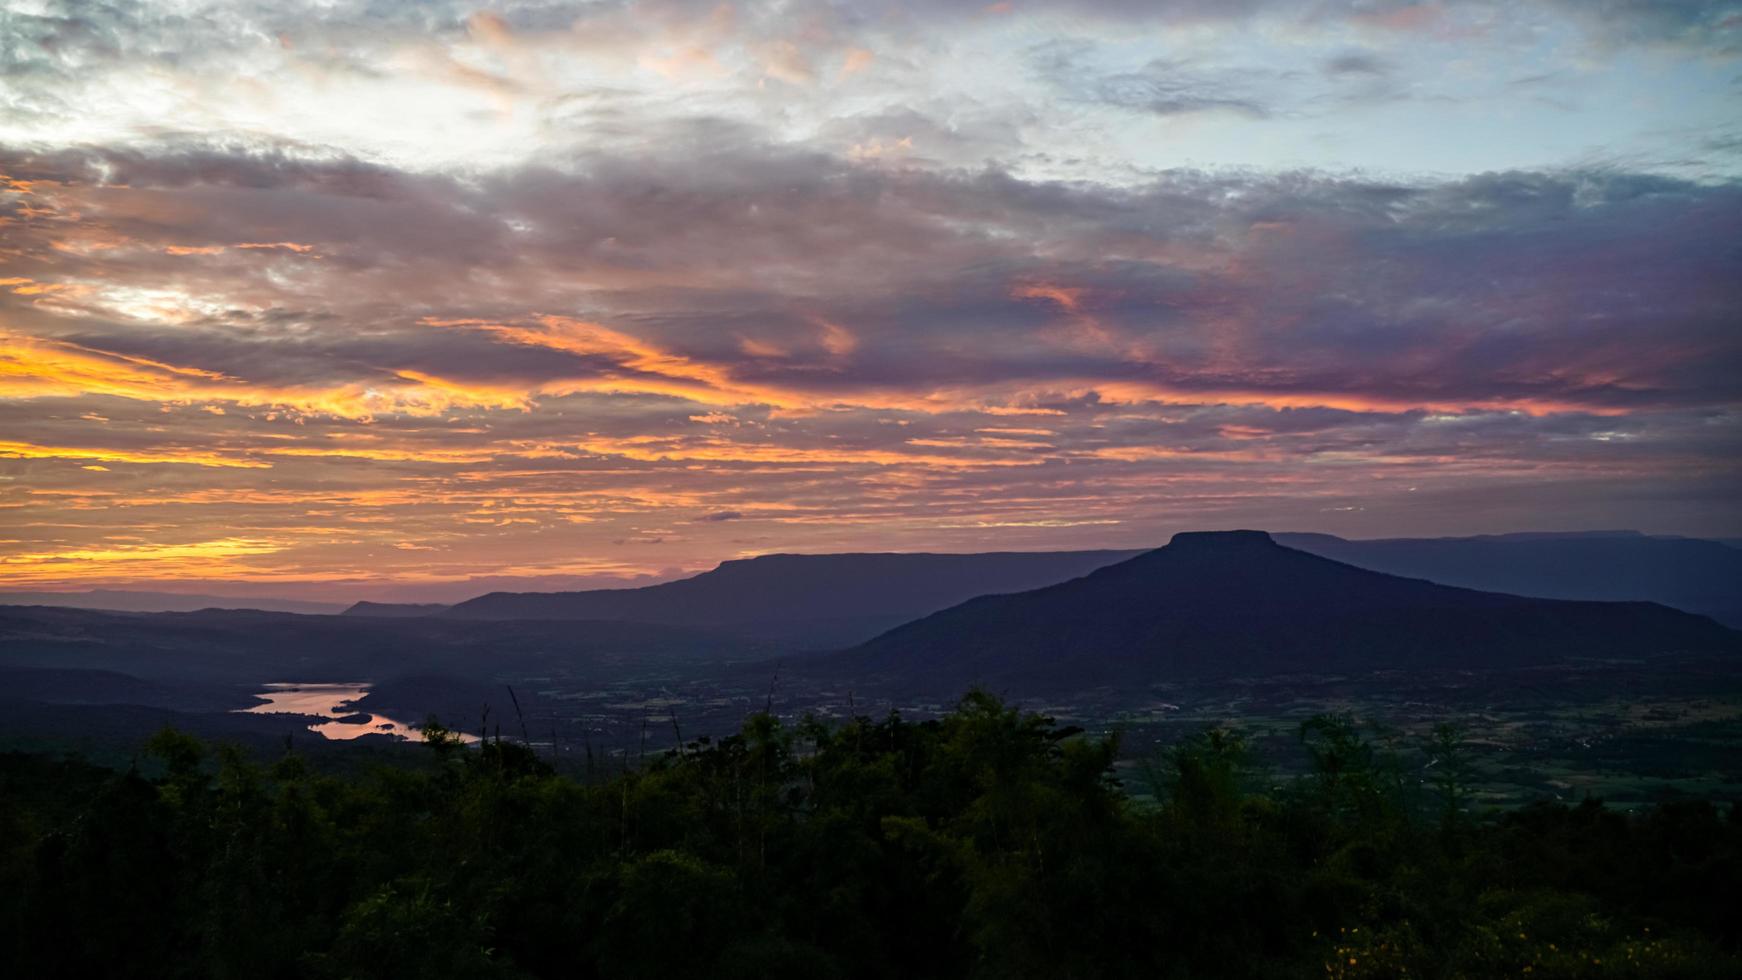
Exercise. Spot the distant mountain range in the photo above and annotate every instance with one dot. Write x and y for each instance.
(836, 601)
(125, 600)
(818, 601)
(251, 646)
(1237, 603)
(1208, 605)
(823, 601)
(395, 610)
(1687, 573)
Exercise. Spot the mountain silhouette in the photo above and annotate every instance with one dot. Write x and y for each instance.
(1236, 603)
(1696, 576)
(809, 600)
(248, 646)
(130, 600)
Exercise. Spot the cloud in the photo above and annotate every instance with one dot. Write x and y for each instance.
(1357, 63)
(528, 289)
(1280, 290)
(1163, 87)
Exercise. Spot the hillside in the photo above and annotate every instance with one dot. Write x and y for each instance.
(1237, 603)
(984, 844)
(815, 600)
(1696, 576)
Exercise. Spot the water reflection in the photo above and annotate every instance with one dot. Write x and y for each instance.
(335, 705)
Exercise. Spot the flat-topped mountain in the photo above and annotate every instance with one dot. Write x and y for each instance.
(1237, 603)
(814, 600)
(1696, 576)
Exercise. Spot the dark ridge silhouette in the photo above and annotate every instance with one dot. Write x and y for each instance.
(814, 600)
(1689, 574)
(127, 600)
(249, 647)
(395, 610)
(1236, 603)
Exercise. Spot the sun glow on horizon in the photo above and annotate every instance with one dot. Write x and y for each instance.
(538, 293)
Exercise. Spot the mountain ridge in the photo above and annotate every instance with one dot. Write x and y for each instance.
(1237, 602)
(822, 601)
(1692, 574)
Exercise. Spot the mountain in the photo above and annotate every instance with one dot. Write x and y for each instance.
(394, 610)
(123, 600)
(1697, 576)
(1236, 603)
(807, 600)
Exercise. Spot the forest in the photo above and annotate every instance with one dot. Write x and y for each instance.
(990, 842)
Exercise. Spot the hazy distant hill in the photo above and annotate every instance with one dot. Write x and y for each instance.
(249, 646)
(1237, 603)
(815, 600)
(395, 610)
(1690, 574)
(124, 600)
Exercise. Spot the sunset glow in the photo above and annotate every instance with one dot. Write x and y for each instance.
(410, 301)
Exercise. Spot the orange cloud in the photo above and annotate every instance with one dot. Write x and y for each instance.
(32, 367)
(656, 449)
(688, 60)
(787, 62)
(1015, 431)
(1064, 296)
(836, 339)
(194, 457)
(216, 558)
(760, 348)
(856, 60)
(644, 367)
(489, 28)
(297, 247)
(1135, 392)
(30, 287)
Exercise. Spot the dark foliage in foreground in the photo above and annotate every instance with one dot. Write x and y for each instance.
(987, 844)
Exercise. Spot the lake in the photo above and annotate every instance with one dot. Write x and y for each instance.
(331, 703)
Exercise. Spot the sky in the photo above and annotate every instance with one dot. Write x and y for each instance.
(394, 300)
